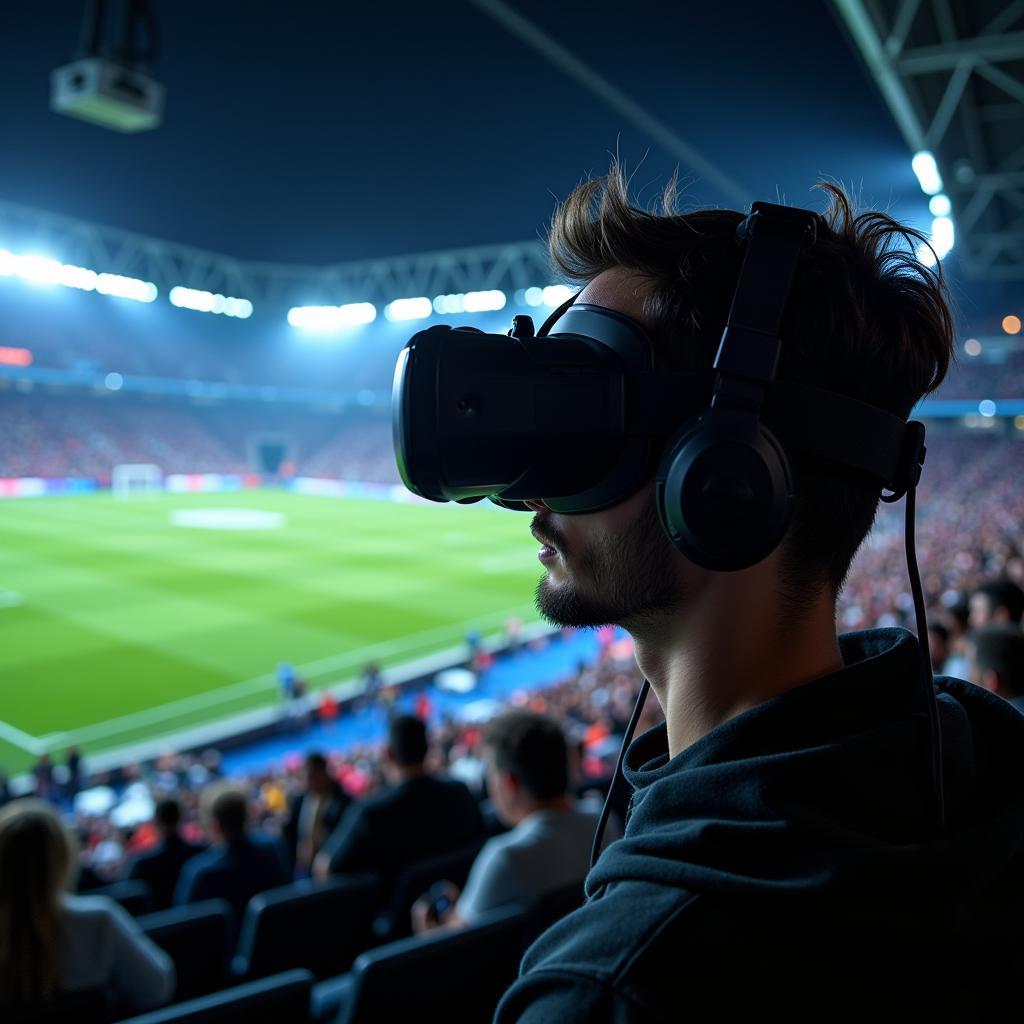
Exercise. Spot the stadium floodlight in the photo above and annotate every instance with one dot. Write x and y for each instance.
(480, 302)
(209, 302)
(555, 294)
(450, 303)
(43, 270)
(126, 287)
(943, 235)
(418, 308)
(926, 255)
(927, 171)
(987, 407)
(332, 318)
(939, 205)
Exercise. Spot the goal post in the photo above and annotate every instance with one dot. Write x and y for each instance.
(131, 480)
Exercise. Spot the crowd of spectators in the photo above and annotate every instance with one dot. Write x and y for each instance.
(80, 437)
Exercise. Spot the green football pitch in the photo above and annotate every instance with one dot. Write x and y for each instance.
(118, 623)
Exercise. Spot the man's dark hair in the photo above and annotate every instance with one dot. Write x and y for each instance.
(315, 761)
(407, 740)
(1000, 649)
(167, 814)
(229, 809)
(531, 748)
(1004, 594)
(865, 318)
(941, 631)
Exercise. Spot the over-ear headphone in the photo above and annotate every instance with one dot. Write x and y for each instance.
(724, 488)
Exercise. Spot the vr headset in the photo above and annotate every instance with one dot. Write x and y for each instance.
(578, 416)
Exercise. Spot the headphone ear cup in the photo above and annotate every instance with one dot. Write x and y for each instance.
(724, 491)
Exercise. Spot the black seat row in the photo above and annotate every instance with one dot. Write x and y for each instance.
(455, 976)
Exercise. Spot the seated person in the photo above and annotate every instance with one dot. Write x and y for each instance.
(54, 943)
(548, 847)
(418, 817)
(313, 814)
(161, 866)
(240, 863)
(995, 661)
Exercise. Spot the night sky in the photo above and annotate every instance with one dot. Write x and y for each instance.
(317, 132)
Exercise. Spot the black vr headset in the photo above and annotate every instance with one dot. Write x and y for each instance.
(577, 416)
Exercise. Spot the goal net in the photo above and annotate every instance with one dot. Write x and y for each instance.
(132, 480)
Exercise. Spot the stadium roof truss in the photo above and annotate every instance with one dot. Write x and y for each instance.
(169, 264)
(952, 73)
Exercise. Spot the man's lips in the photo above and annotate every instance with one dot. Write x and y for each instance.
(543, 540)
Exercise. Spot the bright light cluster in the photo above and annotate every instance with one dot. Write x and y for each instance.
(418, 308)
(552, 296)
(45, 271)
(332, 318)
(209, 302)
(470, 302)
(941, 208)
(927, 171)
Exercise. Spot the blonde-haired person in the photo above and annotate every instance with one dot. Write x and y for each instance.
(53, 942)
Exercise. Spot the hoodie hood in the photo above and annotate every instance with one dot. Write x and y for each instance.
(819, 800)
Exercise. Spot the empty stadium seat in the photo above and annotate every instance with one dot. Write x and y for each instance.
(451, 976)
(321, 926)
(133, 894)
(195, 937)
(414, 881)
(282, 999)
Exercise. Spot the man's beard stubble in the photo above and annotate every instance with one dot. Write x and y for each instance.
(623, 581)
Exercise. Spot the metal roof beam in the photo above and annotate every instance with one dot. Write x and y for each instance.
(923, 60)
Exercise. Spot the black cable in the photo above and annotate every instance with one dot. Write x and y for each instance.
(927, 678)
(602, 822)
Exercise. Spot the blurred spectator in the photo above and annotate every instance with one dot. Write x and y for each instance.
(997, 601)
(419, 816)
(161, 866)
(548, 847)
(53, 943)
(240, 863)
(938, 645)
(45, 787)
(73, 785)
(957, 619)
(995, 655)
(313, 814)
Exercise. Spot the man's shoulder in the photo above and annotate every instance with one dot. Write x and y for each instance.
(595, 963)
(609, 932)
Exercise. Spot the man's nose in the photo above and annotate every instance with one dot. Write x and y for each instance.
(537, 504)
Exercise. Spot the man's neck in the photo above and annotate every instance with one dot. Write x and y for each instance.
(558, 803)
(407, 773)
(726, 654)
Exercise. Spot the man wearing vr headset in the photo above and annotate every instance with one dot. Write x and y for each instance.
(781, 852)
